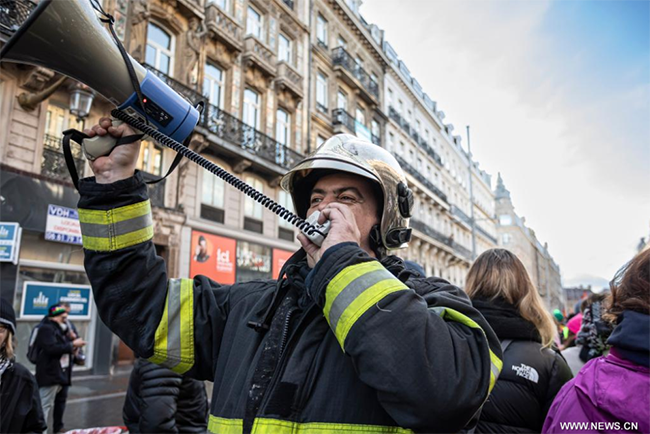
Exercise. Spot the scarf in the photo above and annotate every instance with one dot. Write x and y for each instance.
(505, 320)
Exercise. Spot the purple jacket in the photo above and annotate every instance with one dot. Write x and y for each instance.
(610, 393)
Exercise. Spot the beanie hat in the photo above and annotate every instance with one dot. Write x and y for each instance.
(7, 315)
(557, 313)
(55, 310)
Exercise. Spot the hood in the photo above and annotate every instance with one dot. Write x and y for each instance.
(602, 397)
(631, 337)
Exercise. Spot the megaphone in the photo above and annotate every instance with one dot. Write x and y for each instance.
(69, 37)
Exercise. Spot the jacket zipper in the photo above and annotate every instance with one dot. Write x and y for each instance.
(285, 332)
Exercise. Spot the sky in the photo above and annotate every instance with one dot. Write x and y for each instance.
(557, 97)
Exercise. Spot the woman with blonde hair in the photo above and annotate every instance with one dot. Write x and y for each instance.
(533, 371)
(21, 405)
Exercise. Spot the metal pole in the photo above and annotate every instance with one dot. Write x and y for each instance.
(471, 197)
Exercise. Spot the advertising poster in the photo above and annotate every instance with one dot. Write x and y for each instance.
(213, 256)
(279, 258)
(38, 296)
(62, 225)
(9, 242)
(253, 261)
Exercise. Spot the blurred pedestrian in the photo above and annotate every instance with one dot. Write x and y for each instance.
(61, 398)
(614, 388)
(159, 400)
(594, 329)
(55, 350)
(21, 404)
(533, 371)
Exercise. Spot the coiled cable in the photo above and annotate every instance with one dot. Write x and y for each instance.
(211, 167)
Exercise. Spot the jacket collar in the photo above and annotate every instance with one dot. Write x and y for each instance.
(631, 337)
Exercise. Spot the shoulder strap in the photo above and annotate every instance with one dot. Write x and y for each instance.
(505, 344)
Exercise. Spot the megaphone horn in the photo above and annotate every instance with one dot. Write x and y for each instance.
(70, 38)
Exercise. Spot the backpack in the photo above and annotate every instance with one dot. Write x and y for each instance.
(33, 351)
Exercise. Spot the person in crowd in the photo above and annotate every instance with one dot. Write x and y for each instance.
(343, 340)
(159, 400)
(62, 396)
(21, 410)
(501, 289)
(54, 364)
(572, 353)
(594, 329)
(612, 392)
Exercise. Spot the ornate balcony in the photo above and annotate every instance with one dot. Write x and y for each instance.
(424, 181)
(355, 75)
(487, 235)
(53, 164)
(426, 229)
(458, 212)
(321, 108)
(259, 54)
(394, 115)
(13, 13)
(462, 250)
(189, 93)
(376, 139)
(341, 118)
(247, 138)
(224, 28)
(290, 79)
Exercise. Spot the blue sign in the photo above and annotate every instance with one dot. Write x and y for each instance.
(62, 225)
(38, 296)
(9, 242)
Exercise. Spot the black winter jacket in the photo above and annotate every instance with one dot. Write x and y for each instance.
(161, 401)
(352, 345)
(54, 364)
(21, 410)
(531, 375)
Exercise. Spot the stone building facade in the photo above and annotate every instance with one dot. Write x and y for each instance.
(514, 235)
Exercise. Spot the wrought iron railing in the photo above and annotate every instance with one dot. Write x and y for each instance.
(13, 14)
(486, 234)
(394, 114)
(343, 58)
(247, 138)
(342, 117)
(457, 211)
(322, 44)
(462, 250)
(229, 128)
(431, 232)
(321, 108)
(53, 164)
(156, 191)
(417, 175)
(375, 139)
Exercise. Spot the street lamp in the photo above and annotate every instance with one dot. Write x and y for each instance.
(81, 99)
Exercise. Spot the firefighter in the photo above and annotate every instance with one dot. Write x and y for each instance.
(346, 340)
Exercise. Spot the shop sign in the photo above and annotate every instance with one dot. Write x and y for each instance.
(10, 235)
(39, 296)
(214, 257)
(279, 259)
(62, 225)
(253, 257)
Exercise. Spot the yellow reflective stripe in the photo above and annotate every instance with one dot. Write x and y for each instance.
(495, 363)
(174, 337)
(343, 279)
(362, 303)
(106, 230)
(222, 425)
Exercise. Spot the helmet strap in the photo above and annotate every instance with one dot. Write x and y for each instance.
(376, 243)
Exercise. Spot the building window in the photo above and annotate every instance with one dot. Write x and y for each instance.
(213, 85)
(340, 42)
(252, 208)
(223, 4)
(373, 77)
(286, 229)
(390, 97)
(58, 119)
(251, 108)
(506, 238)
(342, 100)
(374, 128)
(400, 107)
(418, 126)
(321, 90)
(212, 198)
(360, 116)
(505, 220)
(319, 140)
(160, 48)
(284, 49)
(321, 29)
(254, 23)
(150, 159)
(282, 127)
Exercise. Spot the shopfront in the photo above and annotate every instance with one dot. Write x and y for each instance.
(228, 260)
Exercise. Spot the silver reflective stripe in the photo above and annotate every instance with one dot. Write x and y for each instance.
(173, 323)
(117, 228)
(354, 290)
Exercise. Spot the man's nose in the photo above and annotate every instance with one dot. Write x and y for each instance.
(323, 203)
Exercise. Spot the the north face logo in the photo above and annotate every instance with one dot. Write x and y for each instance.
(527, 372)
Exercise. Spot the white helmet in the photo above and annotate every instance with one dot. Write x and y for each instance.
(348, 153)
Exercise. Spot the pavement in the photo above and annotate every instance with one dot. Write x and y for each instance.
(95, 401)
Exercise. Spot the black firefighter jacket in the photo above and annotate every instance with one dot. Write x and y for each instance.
(159, 400)
(346, 347)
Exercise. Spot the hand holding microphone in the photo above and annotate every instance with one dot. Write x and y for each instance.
(121, 162)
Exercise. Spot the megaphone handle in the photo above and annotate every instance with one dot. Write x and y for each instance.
(100, 146)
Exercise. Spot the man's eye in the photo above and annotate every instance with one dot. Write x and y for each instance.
(315, 200)
(347, 198)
